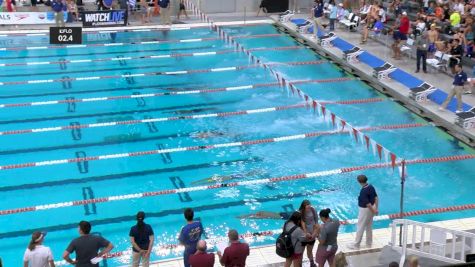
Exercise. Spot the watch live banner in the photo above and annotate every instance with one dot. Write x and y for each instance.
(16, 18)
(104, 18)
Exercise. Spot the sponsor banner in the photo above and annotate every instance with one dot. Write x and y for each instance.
(16, 18)
(104, 18)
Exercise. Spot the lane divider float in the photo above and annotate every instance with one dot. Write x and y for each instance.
(157, 56)
(227, 185)
(188, 117)
(196, 40)
(201, 147)
(202, 91)
(155, 73)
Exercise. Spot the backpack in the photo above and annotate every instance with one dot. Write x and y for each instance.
(283, 244)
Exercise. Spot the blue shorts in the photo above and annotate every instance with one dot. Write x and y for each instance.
(432, 48)
(399, 36)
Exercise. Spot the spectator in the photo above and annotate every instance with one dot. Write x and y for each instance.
(37, 255)
(327, 241)
(459, 35)
(400, 34)
(182, 10)
(395, 7)
(459, 7)
(297, 236)
(318, 13)
(364, 9)
(421, 43)
(143, 11)
(59, 7)
(381, 14)
(455, 19)
(333, 12)
(34, 8)
(368, 207)
(393, 264)
(72, 10)
(372, 25)
(310, 227)
(9, 5)
(190, 234)
(86, 247)
(165, 12)
(340, 12)
(439, 13)
(236, 254)
(141, 237)
(201, 258)
(433, 38)
(420, 26)
(456, 52)
(262, 7)
(460, 79)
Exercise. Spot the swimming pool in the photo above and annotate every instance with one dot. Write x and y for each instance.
(137, 95)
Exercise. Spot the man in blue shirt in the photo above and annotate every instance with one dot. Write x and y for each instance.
(318, 14)
(59, 7)
(460, 79)
(368, 208)
(190, 235)
(165, 12)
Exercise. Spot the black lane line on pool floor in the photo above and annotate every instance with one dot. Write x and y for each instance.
(178, 184)
(89, 71)
(178, 110)
(177, 87)
(163, 213)
(113, 52)
(89, 209)
(124, 175)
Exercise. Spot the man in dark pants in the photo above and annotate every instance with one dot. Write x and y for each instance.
(422, 44)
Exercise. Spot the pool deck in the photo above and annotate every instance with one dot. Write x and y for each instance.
(265, 256)
(428, 109)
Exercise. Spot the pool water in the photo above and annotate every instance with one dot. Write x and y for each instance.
(428, 185)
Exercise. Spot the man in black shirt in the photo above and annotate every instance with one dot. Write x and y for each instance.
(368, 208)
(86, 247)
(141, 237)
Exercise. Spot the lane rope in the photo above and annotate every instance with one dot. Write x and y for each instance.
(188, 117)
(202, 91)
(195, 40)
(156, 56)
(206, 147)
(155, 73)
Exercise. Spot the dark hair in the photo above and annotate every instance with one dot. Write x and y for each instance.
(362, 178)
(34, 240)
(85, 227)
(189, 214)
(303, 205)
(325, 213)
(393, 264)
(140, 218)
(233, 235)
(296, 218)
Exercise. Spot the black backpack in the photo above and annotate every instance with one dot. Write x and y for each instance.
(283, 245)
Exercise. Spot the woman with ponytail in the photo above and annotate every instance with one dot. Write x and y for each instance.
(141, 237)
(327, 238)
(37, 255)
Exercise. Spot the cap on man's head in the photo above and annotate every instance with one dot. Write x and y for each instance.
(404, 13)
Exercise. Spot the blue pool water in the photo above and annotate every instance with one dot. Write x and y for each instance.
(428, 185)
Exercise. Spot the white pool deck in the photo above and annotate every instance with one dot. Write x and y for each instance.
(265, 256)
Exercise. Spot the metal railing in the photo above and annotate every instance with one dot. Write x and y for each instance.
(430, 241)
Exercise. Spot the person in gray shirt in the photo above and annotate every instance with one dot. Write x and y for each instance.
(297, 237)
(421, 43)
(87, 247)
(327, 239)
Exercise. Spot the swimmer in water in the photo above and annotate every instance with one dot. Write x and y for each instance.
(285, 215)
(207, 134)
(189, 111)
(226, 178)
